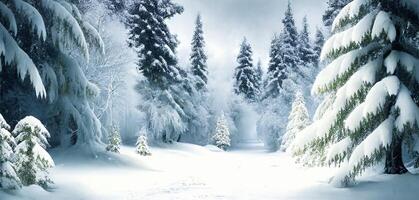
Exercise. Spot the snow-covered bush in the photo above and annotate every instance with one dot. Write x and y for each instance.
(114, 140)
(373, 74)
(221, 138)
(8, 176)
(32, 160)
(298, 119)
(142, 145)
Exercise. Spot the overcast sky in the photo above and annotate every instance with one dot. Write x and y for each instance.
(226, 22)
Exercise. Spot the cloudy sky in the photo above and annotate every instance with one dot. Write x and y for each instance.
(226, 22)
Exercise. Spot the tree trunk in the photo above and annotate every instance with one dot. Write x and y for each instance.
(394, 163)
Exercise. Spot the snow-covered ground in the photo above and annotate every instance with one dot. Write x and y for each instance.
(186, 172)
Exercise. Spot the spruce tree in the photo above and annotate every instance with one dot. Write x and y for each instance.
(198, 56)
(298, 119)
(221, 138)
(8, 176)
(259, 78)
(276, 73)
(114, 140)
(306, 53)
(32, 160)
(164, 87)
(246, 82)
(372, 71)
(142, 145)
(318, 44)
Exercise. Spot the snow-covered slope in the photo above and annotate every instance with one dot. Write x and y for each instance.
(189, 172)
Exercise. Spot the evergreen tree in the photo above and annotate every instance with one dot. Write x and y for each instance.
(40, 36)
(305, 50)
(32, 161)
(142, 146)
(259, 78)
(372, 71)
(221, 137)
(165, 89)
(114, 140)
(318, 44)
(298, 119)
(8, 176)
(198, 56)
(246, 82)
(275, 74)
(332, 10)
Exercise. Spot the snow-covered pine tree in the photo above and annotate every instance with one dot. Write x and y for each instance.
(164, 87)
(306, 53)
(40, 36)
(221, 138)
(332, 10)
(32, 160)
(142, 145)
(374, 72)
(198, 56)
(318, 44)
(298, 119)
(246, 83)
(114, 140)
(8, 176)
(275, 74)
(259, 78)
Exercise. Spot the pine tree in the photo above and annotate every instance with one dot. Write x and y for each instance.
(372, 71)
(318, 44)
(142, 146)
(114, 140)
(259, 78)
(275, 74)
(164, 87)
(40, 36)
(332, 10)
(198, 56)
(221, 137)
(305, 50)
(33, 161)
(8, 176)
(246, 82)
(298, 119)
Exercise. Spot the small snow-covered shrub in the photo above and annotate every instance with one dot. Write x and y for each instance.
(221, 138)
(32, 160)
(142, 146)
(114, 140)
(8, 176)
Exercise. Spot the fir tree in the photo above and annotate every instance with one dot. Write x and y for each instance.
(259, 78)
(165, 87)
(332, 10)
(114, 140)
(8, 176)
(221, 137)
(305, 50)
(142, 146)
(32, 161)
(246, 82)
(198, 56)
(276, 72)
(318, 44)
(298, 119)
(375, 110)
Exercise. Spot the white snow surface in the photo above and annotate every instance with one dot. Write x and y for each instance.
(188, 172)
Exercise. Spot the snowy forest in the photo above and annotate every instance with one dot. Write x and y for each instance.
(204, 99)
